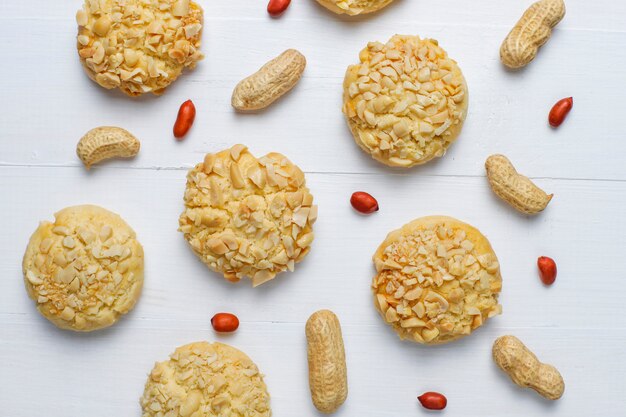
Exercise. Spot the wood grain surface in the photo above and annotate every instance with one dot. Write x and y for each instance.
(578, 324)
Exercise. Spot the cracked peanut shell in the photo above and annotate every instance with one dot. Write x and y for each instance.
(105, 142)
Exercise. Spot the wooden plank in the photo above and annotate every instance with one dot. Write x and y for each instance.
(573, 324)
(508, 111)
(579, 324)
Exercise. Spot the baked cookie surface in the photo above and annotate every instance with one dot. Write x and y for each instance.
(206, 379)
(406, 101)
(437, 280)
(138, 46)
(246, 216)
(354, 7)
(85, 270)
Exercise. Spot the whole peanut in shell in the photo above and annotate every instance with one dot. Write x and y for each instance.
(328, 375)
(271, 82)
(531, 31)
(515, 189)
(514, 358)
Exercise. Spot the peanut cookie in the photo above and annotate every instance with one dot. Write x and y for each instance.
(437, 280)
(138, 46)
(204, 379)
(85, 270)
(406, 101)
(248, 217)
(354, 7)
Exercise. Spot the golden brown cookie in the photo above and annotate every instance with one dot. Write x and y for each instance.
(203, 379)
(354, 7)
(246, 216)
(85, 270)
(406, 101)
(437, 280)
(138, 46)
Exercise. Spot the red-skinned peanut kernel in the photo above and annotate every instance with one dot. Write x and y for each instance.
(184, 121)
(277, 7)
(225, 322)
(364, 202)
(559, 111)
(547, 269)
(433, 400)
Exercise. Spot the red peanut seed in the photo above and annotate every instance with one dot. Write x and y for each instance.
(547, 270)
(364, 202)
(559, 111)
(185, 119)
(277, 7)
(433, 401)
(225, 322)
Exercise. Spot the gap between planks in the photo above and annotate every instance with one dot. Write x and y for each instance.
(186, 168)
(295, 19)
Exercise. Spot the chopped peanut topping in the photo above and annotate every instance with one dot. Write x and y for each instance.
(248, 217)
(136, 45)
(438, 279)
(203, 379)
(406, 101)
(84, 270)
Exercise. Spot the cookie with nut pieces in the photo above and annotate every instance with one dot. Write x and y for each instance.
(138, 46)
(437, 280)
(84, 270)
(406, 100)
(246, 216)
(354, 7)
(206, 379)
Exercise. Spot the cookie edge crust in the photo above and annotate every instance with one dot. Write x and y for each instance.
(330, 5)
(480, 241)
(117, 312)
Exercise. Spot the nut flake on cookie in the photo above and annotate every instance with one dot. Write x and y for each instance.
(404, 99)
(248, 217)
(138, 46)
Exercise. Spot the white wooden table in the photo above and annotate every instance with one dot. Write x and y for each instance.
(579, 324)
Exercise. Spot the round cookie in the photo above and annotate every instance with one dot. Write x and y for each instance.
(354, 7)
(204, 379)
(85, 270)
(138, 46)
(406, 101)
(437, 280)
(246, 216)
